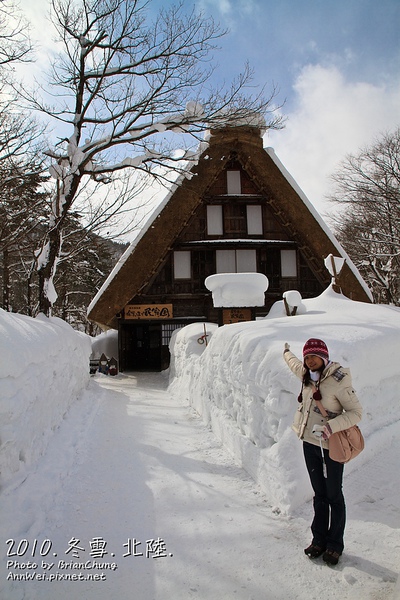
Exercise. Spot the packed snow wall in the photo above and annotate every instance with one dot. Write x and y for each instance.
(43, 369)
(243, 389)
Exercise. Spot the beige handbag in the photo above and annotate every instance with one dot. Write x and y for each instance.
(346, 444)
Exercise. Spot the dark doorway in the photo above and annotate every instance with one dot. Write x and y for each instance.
(140, 347)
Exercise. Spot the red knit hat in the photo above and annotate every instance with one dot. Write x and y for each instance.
(317, 348)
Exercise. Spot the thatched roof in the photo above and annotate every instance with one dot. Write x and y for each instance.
(145, 255)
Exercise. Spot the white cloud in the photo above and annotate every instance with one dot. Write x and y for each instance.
(222, 6)
(331, 118)
(231, 10)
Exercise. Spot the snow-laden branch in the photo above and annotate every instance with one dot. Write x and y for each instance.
(125, 87)
(79, 160)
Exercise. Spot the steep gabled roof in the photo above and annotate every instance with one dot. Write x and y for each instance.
(144, 256)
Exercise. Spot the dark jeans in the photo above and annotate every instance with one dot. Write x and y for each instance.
(329, 506)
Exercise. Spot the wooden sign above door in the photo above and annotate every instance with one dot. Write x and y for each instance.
(148, 311)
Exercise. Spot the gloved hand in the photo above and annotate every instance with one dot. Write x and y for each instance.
(287, 347)
(323, 431)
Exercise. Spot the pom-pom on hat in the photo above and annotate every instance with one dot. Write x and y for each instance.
(317, 348)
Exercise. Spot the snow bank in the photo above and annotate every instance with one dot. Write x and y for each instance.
(43, 369)
(105, 343)
(242, 387)
(186, 347)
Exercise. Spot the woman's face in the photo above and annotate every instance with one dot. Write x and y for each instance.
(314, 363)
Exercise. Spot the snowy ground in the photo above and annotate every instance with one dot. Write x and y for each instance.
(97, 473)
(130, 463)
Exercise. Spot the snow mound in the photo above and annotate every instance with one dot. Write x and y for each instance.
(188, 345)
(242, 387)
(237, 289)
(44, 367)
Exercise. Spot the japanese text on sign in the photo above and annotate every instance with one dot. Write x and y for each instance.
(148, 311)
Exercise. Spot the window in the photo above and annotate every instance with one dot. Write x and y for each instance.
(254, 219)
(214, 220)
(288, 263)
(182, 265)
(226, 261)
(236, 261)
(234, 218)
(233, 182)
(246, 261)
(167, 329)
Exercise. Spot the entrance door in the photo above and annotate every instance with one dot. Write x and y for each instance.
(141, 347)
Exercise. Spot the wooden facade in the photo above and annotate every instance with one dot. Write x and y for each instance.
(239, 212)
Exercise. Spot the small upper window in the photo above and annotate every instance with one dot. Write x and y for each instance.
(182, 265)
(214, 219)
(233, 182)
(288, 263)
(254, 219)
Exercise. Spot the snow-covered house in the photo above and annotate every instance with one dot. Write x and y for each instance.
(238, 211)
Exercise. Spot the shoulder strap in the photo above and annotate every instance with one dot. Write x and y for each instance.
(321, 408)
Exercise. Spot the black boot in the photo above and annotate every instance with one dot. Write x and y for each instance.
(331, 557)
(314, 551)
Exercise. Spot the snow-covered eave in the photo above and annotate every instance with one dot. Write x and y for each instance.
(183, 174)
(271, 153)
(239, 241)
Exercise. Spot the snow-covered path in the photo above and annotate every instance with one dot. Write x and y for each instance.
(131, 472)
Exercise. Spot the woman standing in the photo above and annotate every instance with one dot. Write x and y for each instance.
(328, 384)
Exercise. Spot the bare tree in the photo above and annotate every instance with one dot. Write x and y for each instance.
(15, 43)
(21, 136)
(121, 89)
(18, 131)
(368, 189)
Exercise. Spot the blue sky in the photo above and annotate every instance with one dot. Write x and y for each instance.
(336, 64)
(280, 37)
